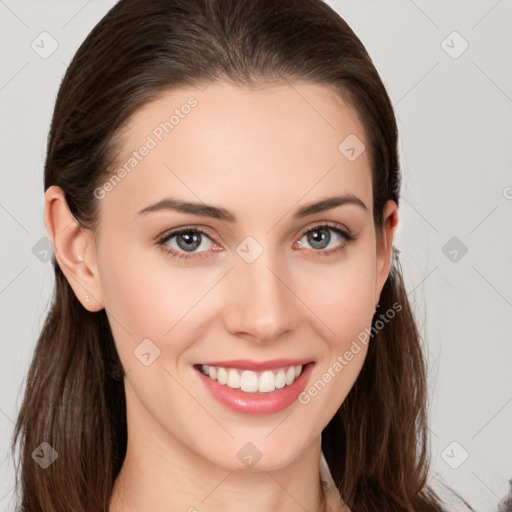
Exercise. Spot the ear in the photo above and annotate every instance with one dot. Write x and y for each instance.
(385, 248)
(74, 248)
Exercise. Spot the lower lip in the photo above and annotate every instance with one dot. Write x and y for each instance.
(254, 403)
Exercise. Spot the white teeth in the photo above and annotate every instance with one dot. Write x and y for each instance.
(290, 375)
(266, 382)
(222, 376)
(233, 379)
(280, 379)
(248, 381)
(251, 382)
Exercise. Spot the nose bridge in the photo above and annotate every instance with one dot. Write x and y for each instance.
(262, 304)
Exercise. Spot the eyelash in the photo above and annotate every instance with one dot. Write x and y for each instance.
(346, 236)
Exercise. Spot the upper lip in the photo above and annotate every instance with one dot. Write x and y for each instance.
(257, 366)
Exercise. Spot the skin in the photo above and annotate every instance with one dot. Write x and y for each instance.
(261, 154)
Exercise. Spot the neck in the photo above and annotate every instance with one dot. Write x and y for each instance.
(160, 474)
(178, 484)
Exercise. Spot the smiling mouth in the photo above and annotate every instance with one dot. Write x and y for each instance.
(250, 381)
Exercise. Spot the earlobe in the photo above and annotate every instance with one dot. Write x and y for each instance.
(385, 248)
(74, 249)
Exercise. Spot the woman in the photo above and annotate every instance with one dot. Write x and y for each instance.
(230, 327)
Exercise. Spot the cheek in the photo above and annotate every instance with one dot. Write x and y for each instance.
(151, 301)
(143, 302)
(343, 300)
(140, 296)
(345, 307)
(348, 312)
(140, 304)
(128, 291)
(342, 297)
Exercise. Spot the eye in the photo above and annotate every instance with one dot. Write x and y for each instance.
(185, 242)
(188, 240)
(320, 238)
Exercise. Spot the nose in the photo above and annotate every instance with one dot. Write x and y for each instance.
(262, 306)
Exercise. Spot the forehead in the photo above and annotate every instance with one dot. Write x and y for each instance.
(239, 146)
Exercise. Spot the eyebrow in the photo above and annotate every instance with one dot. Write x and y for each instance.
(202, 209)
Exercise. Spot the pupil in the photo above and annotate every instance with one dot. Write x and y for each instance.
(318, 236)
(192, 241)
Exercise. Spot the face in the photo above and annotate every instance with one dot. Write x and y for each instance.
(267, 294)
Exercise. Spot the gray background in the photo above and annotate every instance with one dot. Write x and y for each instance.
(454, 110)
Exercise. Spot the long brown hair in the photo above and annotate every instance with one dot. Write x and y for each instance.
(376, 444)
